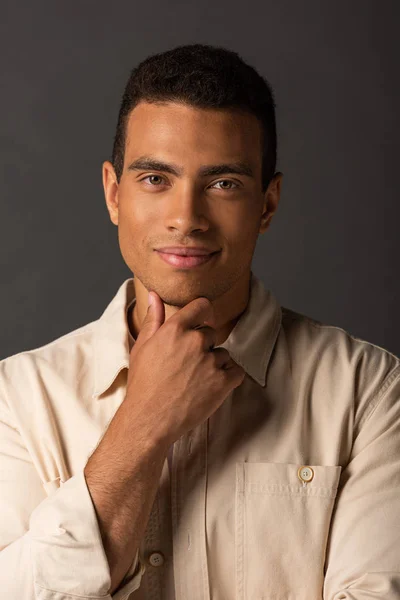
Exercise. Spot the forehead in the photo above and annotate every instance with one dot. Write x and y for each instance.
(189, 133)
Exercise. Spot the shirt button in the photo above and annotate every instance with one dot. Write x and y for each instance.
(156, 559)
(305, 473)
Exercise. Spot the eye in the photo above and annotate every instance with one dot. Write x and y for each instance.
(231, 183)
(149, 176)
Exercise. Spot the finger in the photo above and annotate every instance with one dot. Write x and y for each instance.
(195, 313)
(223, 359)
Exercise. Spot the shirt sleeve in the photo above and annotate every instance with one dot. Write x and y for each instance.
(50, 547)
(363, 551)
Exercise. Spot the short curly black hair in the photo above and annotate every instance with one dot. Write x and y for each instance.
(202, 76)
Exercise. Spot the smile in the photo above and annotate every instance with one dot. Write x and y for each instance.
(186, 262)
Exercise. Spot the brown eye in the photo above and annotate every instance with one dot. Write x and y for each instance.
(229, 182)
(152, 177)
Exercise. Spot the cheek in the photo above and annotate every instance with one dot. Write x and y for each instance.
(240, 228)
(135, 230)
(130, 217)
(128, 229)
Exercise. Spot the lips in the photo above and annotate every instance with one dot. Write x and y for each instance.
(186, 262)
(189, 251)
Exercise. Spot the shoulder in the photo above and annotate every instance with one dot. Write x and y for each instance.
(61, 360)
(329, 337)
(331, 358)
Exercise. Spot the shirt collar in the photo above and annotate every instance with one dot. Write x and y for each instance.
(250, 342)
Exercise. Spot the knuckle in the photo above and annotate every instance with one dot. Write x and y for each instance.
(204, 301)
(221, 358)
(197, 337)
(174, 327)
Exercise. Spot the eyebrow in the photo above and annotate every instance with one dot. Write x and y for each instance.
(147, 163)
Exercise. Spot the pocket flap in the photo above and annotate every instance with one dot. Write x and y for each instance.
(284, 479)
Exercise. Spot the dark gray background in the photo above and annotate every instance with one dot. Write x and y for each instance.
(332, 251)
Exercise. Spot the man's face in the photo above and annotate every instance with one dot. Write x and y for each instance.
(154, 208)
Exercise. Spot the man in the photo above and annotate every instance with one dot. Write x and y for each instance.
(213, 445)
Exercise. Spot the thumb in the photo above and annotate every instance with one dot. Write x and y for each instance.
(155, 317)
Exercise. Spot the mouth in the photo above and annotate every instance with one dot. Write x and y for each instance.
(186, 262)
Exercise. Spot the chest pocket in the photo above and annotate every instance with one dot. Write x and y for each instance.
(282, 519)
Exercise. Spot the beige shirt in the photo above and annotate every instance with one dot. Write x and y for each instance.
(289, 491)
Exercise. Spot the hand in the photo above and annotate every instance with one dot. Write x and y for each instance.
(176, 380)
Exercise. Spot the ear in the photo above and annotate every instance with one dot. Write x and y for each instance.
(110, 185)
(271, 201)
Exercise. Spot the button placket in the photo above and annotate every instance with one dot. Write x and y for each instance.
(189, 474)
(156, 559)
(152, 543)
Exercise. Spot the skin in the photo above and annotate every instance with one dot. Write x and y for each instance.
(154, 208)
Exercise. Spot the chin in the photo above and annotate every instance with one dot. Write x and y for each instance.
(182, 300)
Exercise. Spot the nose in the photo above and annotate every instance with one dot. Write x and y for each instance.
(186, 211)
